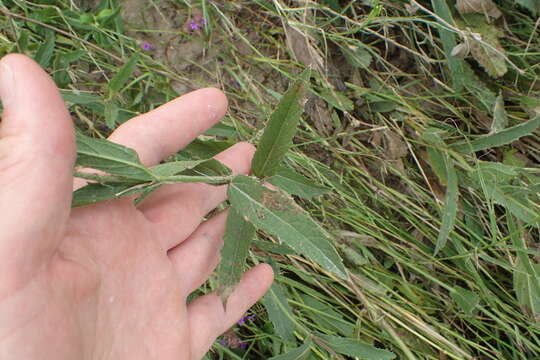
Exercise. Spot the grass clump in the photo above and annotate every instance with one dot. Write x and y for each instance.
(422, 128)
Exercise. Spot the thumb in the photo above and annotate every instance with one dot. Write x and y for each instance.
(37, 152)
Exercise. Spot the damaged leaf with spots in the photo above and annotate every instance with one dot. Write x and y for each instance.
(485, 46)
(276, 213)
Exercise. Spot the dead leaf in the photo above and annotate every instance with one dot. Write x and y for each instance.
(487, 7)
(317, 109)
(461, 50)
(489, 52)
(396, 148)
(302, 48)
(484, 44)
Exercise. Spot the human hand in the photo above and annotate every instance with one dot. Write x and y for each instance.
(108, 281)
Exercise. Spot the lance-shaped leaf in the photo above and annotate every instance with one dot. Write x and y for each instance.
(526, 274)
(353, 347)
(238, 236)
(280, 130)
(500, 118)
(279, 311)
(110, 157)
(122, 76)
(206, 167)
(94, 193)
(296, 184)
(450, 204)
(277, 214)
(502, 137)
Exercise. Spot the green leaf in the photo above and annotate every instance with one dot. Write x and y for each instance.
(204, 149)
(270, 247)
(299, 353)
(527, 289)
(434, 137)
(503, 137)
(353, 347)
(237, 239)
(110, 157)
(206, 167)
(277, 214)
(500, 119)
(337, 99)
(488, 51)
(465, 299)
(519, 205)
(450, 205)
(296, 184)
(94, 193)
(326, 317)
(357, 56)
(45, 51)
(280, 130)
(532, 5)
(279, 312)
(111, 114)
(448, 40)
(79, 98)
(122, 76)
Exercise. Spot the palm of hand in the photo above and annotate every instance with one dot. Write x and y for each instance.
(110, 281)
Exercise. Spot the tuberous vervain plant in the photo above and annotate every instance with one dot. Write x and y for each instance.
(253, 204)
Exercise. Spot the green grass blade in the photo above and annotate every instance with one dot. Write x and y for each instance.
(449, 42)
(300, 353)
(353, 347)
(326, 317)
(110, 157)
(503, 137)
(277, 214)
(237, 239)
(280, 130)
(450, 205)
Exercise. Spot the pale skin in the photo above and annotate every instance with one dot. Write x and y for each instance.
(108, 281)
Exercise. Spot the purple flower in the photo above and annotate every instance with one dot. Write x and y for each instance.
(243, 345)
(194, 26)
(243, 319)
(146, 46)
(223, 342)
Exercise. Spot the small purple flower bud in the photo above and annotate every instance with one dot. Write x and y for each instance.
(242, 321)
(223, 342)
(243, 345)
(146, 46)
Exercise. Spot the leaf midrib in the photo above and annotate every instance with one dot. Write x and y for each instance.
(337, 270)
(280, 131)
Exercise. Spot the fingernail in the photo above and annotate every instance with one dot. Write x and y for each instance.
(7, 84)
